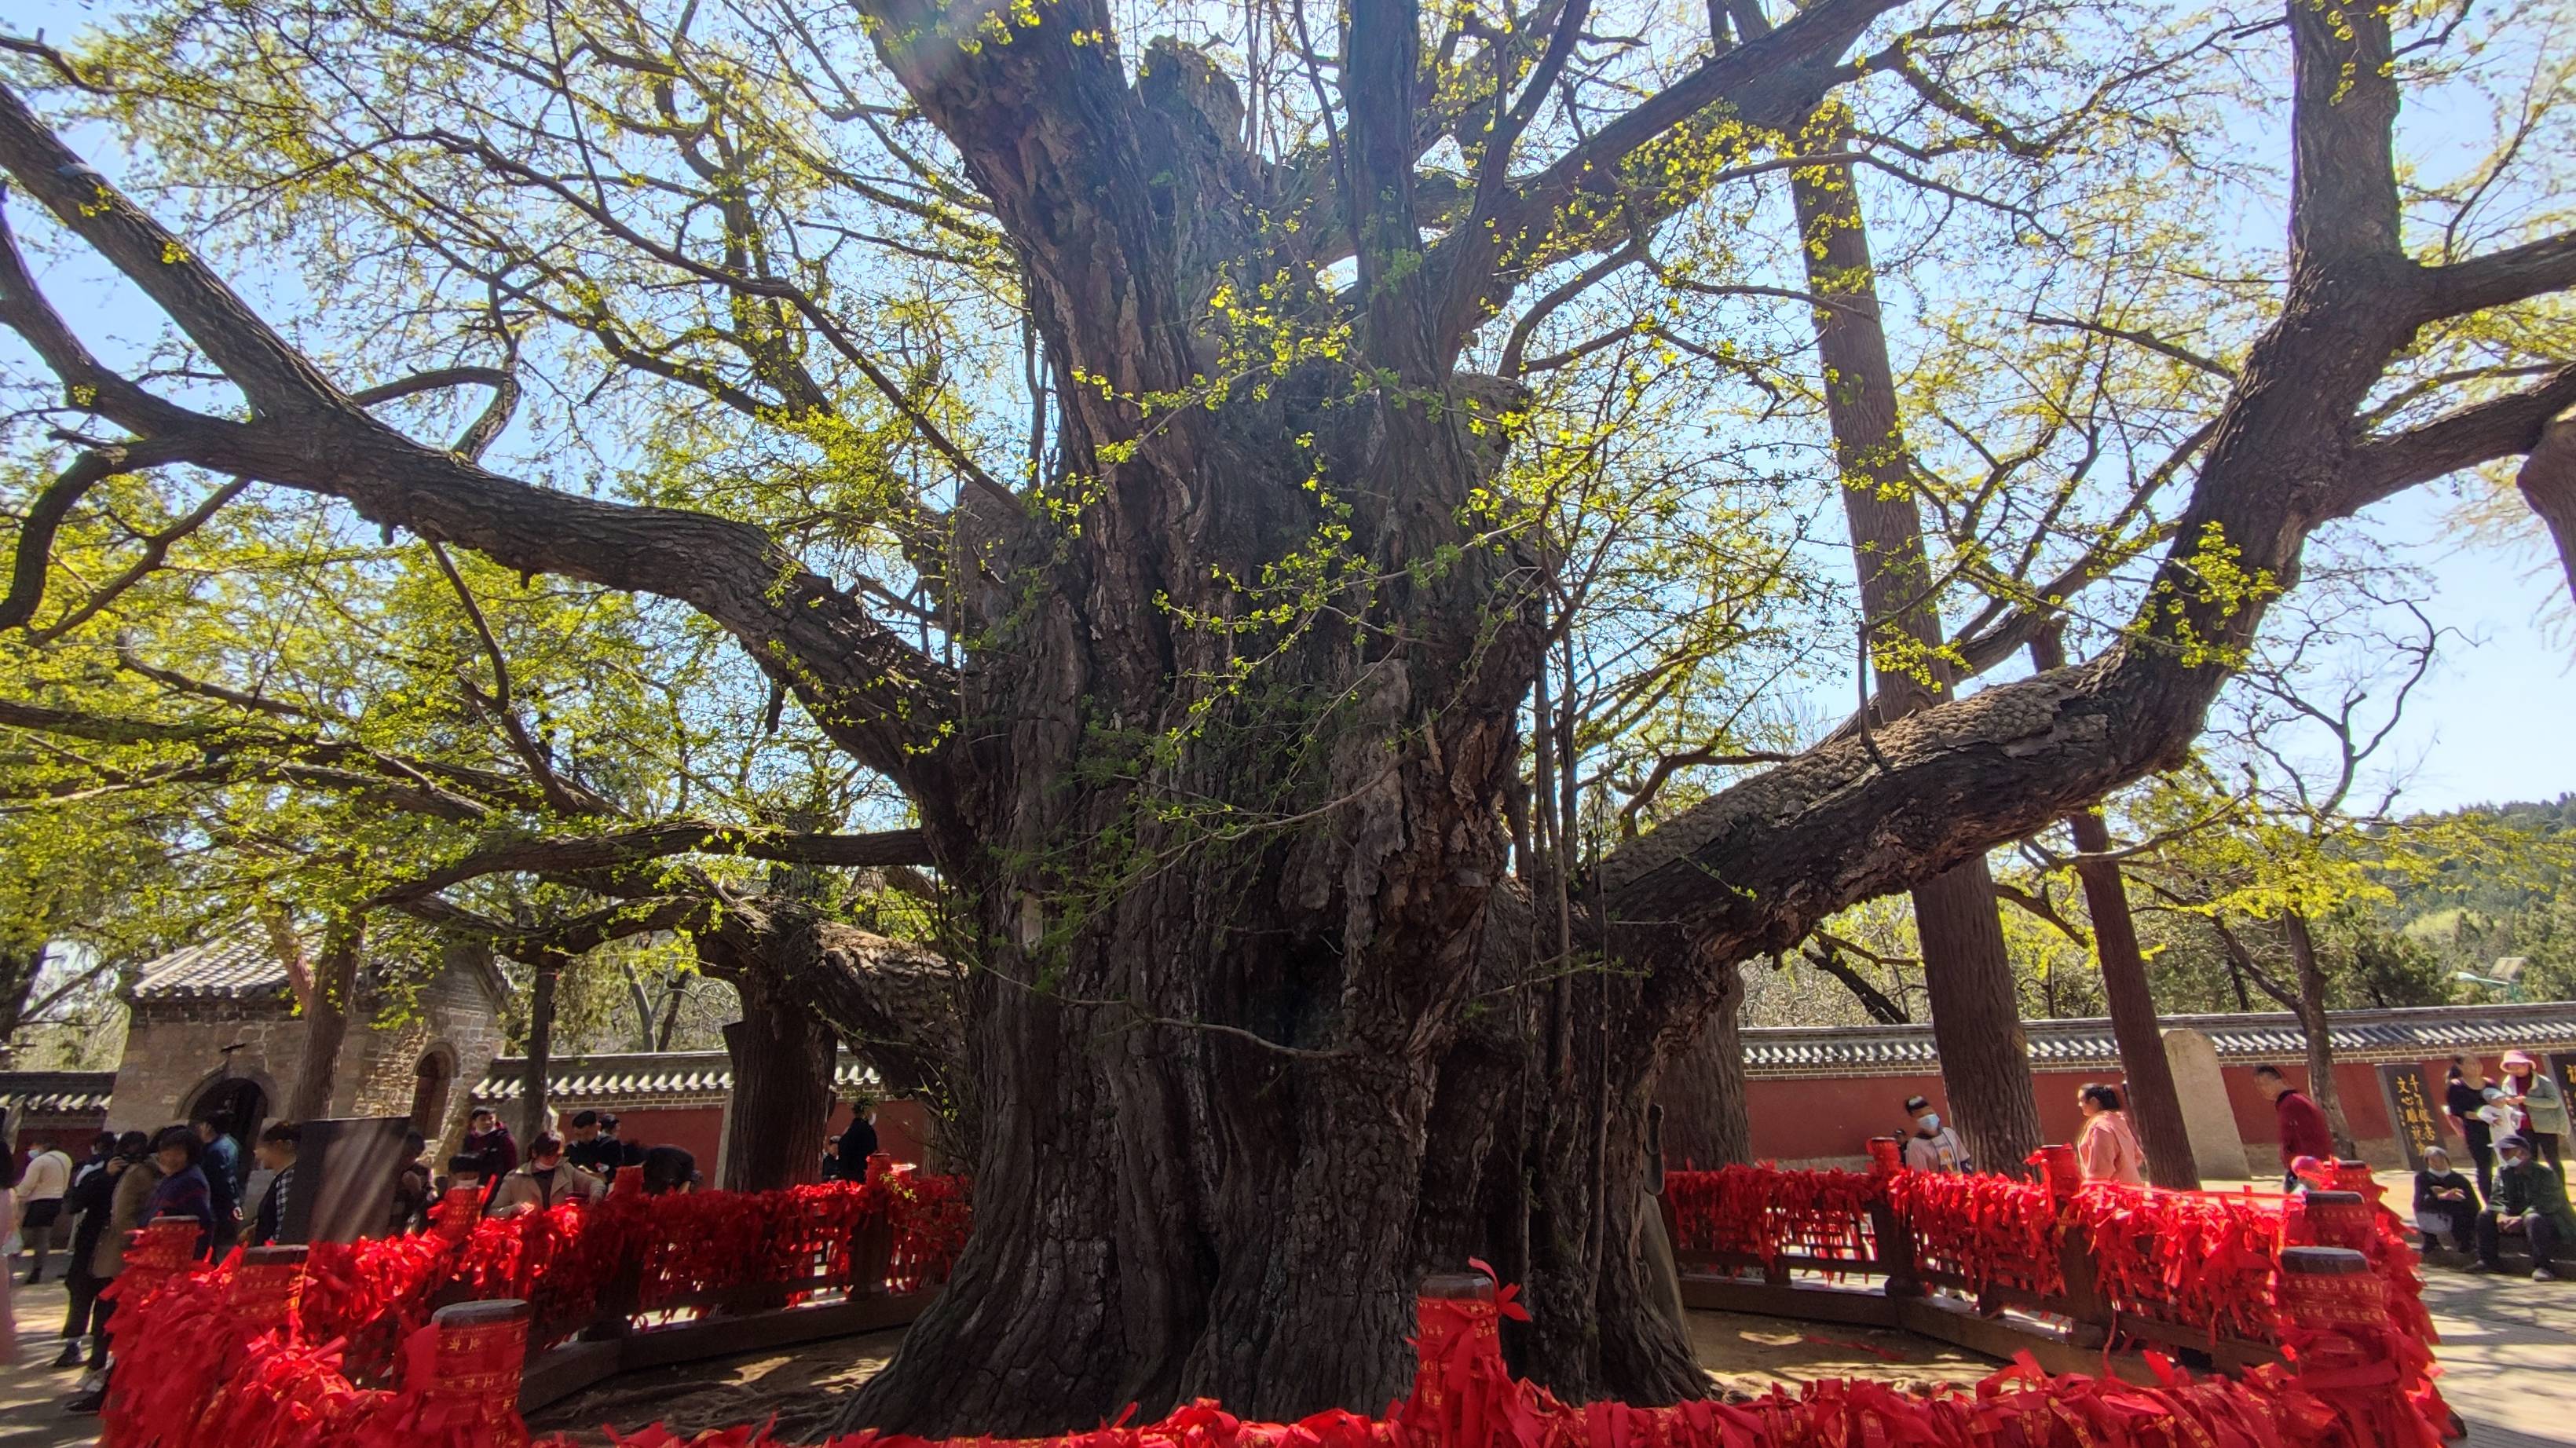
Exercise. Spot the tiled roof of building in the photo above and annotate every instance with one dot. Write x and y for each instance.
(229, 967)
(2423, 1033)
(55, 1093)
(674, 1078)
(681, 1078)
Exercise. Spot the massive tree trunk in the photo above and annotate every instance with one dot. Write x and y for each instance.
(1706, 1120)
(782, 1090)
(2154, 1102)
(1967, 974)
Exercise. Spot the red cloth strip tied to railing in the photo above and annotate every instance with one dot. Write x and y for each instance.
(2202, 1260)
(1766, 1212)
(1987, 1231)
(1465, 1397)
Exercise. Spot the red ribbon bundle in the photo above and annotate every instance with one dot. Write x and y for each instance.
(1989, 1231)
(2203, 1260)
(1766, 1212)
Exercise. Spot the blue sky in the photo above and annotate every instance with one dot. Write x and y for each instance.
(2496, 721)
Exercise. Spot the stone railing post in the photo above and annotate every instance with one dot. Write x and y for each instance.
(267, 1286)
(1458, 1339)
(1892, 1241)
(871, 1255)
(474, 1376)
(2087, 1309)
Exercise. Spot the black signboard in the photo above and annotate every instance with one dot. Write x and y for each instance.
(2411, 1111)
(2562, 1064)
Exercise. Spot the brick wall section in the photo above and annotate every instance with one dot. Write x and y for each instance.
(174, 1047)
(380, 1067)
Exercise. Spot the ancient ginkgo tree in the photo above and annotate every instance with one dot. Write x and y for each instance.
(1212, 710)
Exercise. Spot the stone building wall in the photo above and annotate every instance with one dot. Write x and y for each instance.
(454, 1022)
(174, 1049)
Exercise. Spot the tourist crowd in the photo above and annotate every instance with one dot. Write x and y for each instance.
(91, 1207)
(2513, 1128)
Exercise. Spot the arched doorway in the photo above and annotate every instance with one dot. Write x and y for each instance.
(236, 1106)
(429, 1087)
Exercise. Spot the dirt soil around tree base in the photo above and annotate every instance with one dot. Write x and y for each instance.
(799, 1385)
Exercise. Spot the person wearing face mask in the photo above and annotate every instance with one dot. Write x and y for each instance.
(2531, 1203)
(1933, 1146)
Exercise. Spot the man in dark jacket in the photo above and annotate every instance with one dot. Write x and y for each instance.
(276, 1151)
(93, 1193)
(2304, 1131)
(2531, 1203)
(858, 1143)
(490, 1143)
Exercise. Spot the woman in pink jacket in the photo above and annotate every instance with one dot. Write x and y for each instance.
(2108, 1150)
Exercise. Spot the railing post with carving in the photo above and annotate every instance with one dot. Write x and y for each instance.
(267, 1286)
(1458, 1339)
(474, 1378)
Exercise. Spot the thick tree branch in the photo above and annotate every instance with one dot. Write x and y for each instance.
(2481, 432)
(878, 697)
(626, 847)
(2501, 278)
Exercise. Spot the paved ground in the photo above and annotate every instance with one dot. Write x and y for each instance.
(31, 1394)
(2508, 1354)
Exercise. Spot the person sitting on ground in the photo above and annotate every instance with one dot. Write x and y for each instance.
(2304, 1130)
(2530, 1203)
(1932, 1146)
(2108, 1151)
(183, 1190)
(669, 1169)
(546, 1182)
(40, 1204)
(276, 1153)
(2529, 1090)
(2445, 1202)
